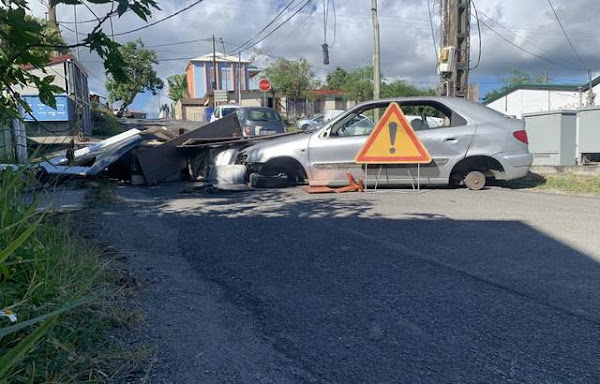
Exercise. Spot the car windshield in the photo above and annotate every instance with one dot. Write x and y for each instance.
(261, 114)
(227, 111)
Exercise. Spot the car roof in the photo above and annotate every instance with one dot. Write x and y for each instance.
(467, 109)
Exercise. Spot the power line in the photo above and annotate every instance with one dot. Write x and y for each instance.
(432, 32)
(273, 31)
(523, 49)
(270, 23)
(178, 43)
(112, 14)
(566, 35)
(160, 20)
(479, 32)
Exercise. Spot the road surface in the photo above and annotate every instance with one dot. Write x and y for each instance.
(284, 287)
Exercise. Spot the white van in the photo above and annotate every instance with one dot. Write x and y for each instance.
(222, 111)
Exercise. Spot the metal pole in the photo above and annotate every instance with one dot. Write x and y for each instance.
(376, 52)
(214, 86)
(76, 31)
(240, 73)
(591, 95)
(226, 65)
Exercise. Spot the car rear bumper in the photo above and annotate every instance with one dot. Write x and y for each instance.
(516, 165)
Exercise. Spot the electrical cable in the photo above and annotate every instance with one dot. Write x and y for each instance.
(437, 60)
(112, 14)
(479, 32)
(275, 30)
(269, 24)
(567, 36)
(160, 20)
(525, 50)
(334, 24)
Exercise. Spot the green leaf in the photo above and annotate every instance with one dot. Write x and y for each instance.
(16, 353)
(24, 324)
(16, 243)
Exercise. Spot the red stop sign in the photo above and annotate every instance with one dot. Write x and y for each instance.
(264, 85)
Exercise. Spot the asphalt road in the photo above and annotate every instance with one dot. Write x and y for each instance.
(284, 287)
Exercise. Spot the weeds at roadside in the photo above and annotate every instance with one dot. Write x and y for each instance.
(67, 298)
(570, 183)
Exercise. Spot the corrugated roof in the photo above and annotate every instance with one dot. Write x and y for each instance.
(545, 87)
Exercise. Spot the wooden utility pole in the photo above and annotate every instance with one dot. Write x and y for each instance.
(52, 15)
(376, 52)
(214, 80)
(455, 47)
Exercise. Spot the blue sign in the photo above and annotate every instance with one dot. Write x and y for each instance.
(42, 112)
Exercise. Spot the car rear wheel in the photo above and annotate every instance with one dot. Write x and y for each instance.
(475, 180)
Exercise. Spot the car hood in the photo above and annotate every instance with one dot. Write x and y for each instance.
(283, 146)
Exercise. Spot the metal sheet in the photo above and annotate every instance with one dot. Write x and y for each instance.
(162, 162)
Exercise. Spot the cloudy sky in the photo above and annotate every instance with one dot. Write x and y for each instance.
(407, 43)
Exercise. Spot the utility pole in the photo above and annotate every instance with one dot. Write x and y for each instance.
(376, 52)
(214, 86)
(455, 47)
(52, 15)
(240, 73)
(76, 31)
(591, 95)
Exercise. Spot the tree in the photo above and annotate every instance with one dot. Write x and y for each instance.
(177, 87)
(516, 77)
(140, 76)
(292, 78)
(28, 43)
(337, 79)
(359, 84)
(400, 88)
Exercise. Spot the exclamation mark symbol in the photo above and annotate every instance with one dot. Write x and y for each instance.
(393, 130)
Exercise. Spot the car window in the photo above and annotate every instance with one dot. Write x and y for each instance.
(260, 114)
(424, 117)
(227, 111)
(319, 119)
(358, 123)
(427, 115)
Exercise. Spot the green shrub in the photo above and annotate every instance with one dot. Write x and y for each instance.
(55, 282)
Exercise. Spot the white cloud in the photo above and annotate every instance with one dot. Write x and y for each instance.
(407, 47)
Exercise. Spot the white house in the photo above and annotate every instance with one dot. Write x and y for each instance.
(532, 98)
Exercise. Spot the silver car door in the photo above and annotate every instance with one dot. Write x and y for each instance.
(332, 157)
(447, 146)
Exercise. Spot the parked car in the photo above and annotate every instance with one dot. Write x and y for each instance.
(256, 121)
(311, 122)
(467, 141)
(222, 111)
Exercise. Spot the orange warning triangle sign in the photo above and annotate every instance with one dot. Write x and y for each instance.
(393, 141)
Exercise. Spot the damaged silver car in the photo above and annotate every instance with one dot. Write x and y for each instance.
(467, 141)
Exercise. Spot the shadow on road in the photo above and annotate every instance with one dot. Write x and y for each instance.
(351, 296)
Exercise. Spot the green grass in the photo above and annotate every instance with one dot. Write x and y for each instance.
(571, 183)
(64, 292)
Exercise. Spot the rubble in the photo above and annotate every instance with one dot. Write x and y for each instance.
(158, 154)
